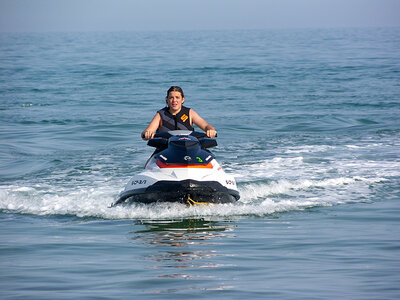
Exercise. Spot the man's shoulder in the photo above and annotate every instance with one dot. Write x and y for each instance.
(186, 109)
(162, 110)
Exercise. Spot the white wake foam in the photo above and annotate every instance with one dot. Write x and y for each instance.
(279, 184)
(259, 198)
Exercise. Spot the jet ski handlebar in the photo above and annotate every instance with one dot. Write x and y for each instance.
(168, 134)
(160, 139)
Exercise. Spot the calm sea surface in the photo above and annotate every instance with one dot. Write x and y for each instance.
(308, 122)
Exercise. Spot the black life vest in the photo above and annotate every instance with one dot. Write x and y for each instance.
(180, 121)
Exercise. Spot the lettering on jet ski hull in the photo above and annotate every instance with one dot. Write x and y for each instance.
(135, 182)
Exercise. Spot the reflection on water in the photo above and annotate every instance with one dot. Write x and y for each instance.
(185, 249)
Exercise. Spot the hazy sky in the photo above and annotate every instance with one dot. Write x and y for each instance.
(116, 15)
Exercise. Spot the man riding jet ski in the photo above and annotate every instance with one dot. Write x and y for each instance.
(182, 169)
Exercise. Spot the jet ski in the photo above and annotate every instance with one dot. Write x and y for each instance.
(182, 169)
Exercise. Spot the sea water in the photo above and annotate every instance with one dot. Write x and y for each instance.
(308, 122)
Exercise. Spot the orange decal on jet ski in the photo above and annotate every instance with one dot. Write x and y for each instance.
(164, 165)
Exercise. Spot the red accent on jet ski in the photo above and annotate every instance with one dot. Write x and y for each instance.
(164, 165)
